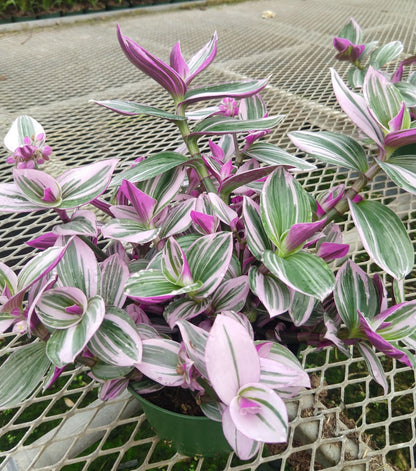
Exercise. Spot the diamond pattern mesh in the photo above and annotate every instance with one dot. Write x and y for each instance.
(51, 73)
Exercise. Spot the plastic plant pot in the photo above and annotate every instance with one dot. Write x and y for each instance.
(190, 435)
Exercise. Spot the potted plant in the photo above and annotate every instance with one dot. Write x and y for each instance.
(194, 270)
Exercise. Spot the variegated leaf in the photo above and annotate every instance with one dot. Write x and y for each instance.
(269, 423)
(244, 447)
(164, 187)
(195, 340)
(222, 210)
(252, 107)
(283, 203)
(82, 222)
(382, 96)
(23, 126)
(355, 291)
(280, 369)
(129, 108)
(386, 53)
(225, 90)
(83, 184)
(184, 309)
(400, 322)
(402, 170)
(333, 148)
(202, 59)
(303, 272)
(7, 279)
(231, 295)
(374, 365)
(151, 286)
(21, 373)
(217, 125)
(270, 154)
(38, 267)
(178, 219)
(242, 178)
(60, 308)
(64, 345)
(13, 200)
(274, 295)
(129, 230)
(79, 268)
(105, 371)
(380, 230)
(150, 167)
(174, 264)
(256, 236)
(117, 341)
(38, 187)
(114, 274)
(355, 107)
(231, 358)
(301, 307)
(208, 258)
(160, 361)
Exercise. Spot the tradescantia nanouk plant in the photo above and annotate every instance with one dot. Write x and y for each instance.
(196, 268)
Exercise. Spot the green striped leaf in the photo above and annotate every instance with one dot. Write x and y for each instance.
(183, 309)
(273, 155)
(105, 372)
(283, 203)
(225, 90)
(231, 295)
(81, 185)
(356, 108)
(256, 236)
(374, 365)
(382, 96)
(117, 341)
(217, 125)
(160, 361)
(332, 148)
(301, 307)
(400, 322)
(270, 423)
(231, 358)
(64, 345)
(195, 340)
(355, 291)
(209, 258)
(386, 53)
(13, 200)
(129, 230)
(150, 167)
(381, 230)
(252, 107)
(129, 108)
(178, 219)
(23, 126)
(152, 286)
(21, 373)
(274, 295)
(79, 268)
(52, 307)
(34, 183)
(402, 170)
(303, 272)
(114, 273)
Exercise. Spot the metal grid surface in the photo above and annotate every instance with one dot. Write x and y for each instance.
(51, 73)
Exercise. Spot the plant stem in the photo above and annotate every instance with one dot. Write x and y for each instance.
(360, 183)
(193, 149)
